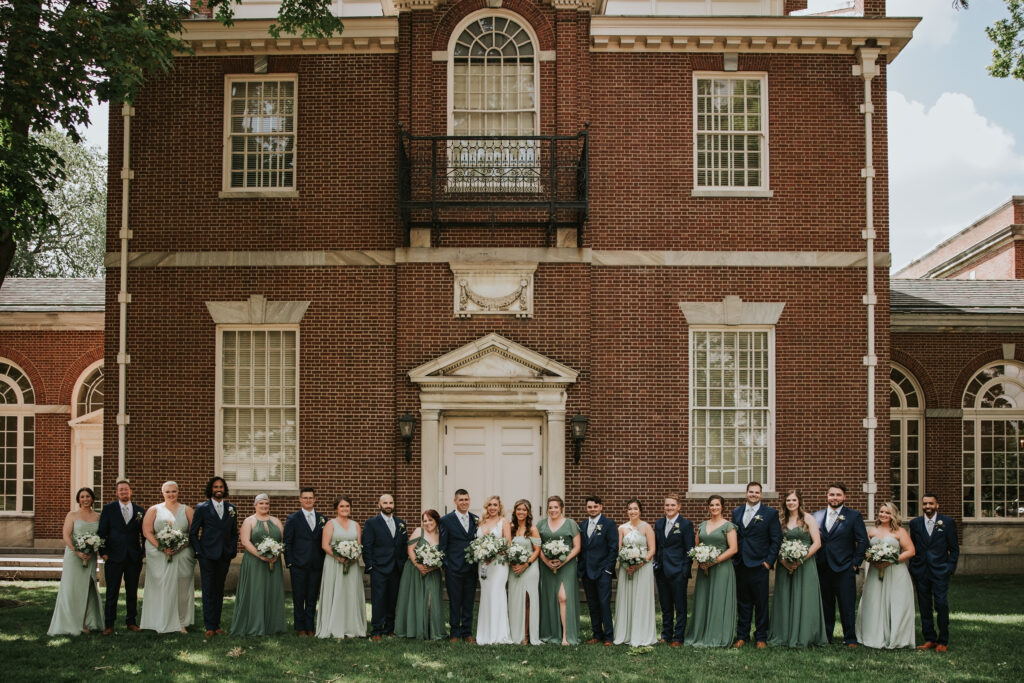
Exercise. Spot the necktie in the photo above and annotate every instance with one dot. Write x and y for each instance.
(931, 525)
(668, 527)
(310, 522)
(748, 515)
(391, 525)
(465, 522)
(220, 510)
(126, 512)
(590, 528)
(832, 519)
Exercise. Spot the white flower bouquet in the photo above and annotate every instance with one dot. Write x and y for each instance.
(169, 538)
(793, 551)
(882, 552)
(268, 547)
(486, 549)
(632, 554)
(704, 554)
(518, 554)
(350, 551)
(429, 556)
(87, 543)
(556, 549)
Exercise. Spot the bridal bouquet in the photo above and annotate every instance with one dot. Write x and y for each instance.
(556, 549)
(793, 551)
(486, 549)
(268, 547)
(518, 554)
(89, 544)
(704, 554)
(169, 538)
(350, 551)
(882, 552)
(631, 554)
(429, 556)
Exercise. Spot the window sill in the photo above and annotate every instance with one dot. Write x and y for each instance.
(250, 490)
(714, 192)
(258, 194)
(17, 515)
(729, 495)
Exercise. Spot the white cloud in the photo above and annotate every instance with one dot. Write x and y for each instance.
(939, 20)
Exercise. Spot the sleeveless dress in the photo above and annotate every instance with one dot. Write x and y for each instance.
(713, 623)
(259, 600)
(168, 600)
(519, 587)
(797, 619)
(886, 615)
(342, 612)
(420, 612)
(492, 618)
(635, 622)
(78, 598)
(551, 582)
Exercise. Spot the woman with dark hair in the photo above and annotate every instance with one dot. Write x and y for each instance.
(635, 621)
(559, 585)
(78, 607)
(713, 623)
(797, 617)
(524, 578)
(342, 612)
(420, 612)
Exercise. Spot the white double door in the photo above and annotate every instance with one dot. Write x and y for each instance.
(493, 456)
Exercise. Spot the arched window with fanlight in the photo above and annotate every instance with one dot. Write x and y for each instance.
(993, 442)
(906, 440)
(87, 432)
(17, 440)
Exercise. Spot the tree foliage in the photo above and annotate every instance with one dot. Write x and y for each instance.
(1008, 36)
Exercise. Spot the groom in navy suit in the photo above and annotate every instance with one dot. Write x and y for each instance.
(304, 556)
(938, 550)
(458, 529)
(121, 531)
(758, 537)
(384, 551)
(599, 539)
(673, 541)
(844, 540)
(214, 538)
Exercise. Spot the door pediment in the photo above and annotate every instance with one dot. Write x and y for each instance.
(493, 360)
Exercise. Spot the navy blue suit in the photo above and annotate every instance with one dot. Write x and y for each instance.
(842, 553)
(596, 566)
(756, 544)
(304, 556)
(671, 572)
(384, 556)
(932, 565)
(215, 542)
(460, 577)
(123, 548)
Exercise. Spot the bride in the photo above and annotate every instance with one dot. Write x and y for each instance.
(492, 620)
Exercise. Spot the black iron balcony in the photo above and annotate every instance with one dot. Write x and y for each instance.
(505, 181)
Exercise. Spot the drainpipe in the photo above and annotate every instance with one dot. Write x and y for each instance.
(867, 68)
(123, 297)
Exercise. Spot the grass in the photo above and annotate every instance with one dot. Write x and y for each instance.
(986, 630)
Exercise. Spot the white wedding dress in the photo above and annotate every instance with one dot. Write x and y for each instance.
(492, 620)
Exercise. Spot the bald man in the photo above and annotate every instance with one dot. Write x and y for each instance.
(384, 552)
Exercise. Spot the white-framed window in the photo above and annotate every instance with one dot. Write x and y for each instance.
(17, 440)
(493, 90)
(730, 131)
(732, 407)
(260, 112)
(258, 405)
(906, 441)
(993, 443)
(90, 392)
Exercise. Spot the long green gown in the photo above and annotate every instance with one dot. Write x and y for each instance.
(78, 598)
(169, 603)
(713, 623)
(635, 620)
(885, 618)
(551, 582)
(797, 616)
(420, 612)
(342, 612)
(519, 587)
(259, 601)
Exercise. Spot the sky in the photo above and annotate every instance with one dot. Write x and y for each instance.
(956, 135)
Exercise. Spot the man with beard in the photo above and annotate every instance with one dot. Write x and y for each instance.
(384, 552)
(214, 538)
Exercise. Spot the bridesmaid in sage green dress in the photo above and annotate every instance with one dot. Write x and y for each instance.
(524, 579)
(885, 619)
(420, 612)
(342, 612)
(169, 602)
(559, 586)
(713, 623)
(797, 617)
(78, 607)
(635, 621)
(259, 600)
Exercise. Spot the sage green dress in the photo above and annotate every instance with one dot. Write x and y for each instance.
(551, 582)
(169, 600)
(635, 621)
(713, 622)
(259, 600)
(797, 619)
(342, 612)
(885, 619)
(519, 587)
(78, 598)
(420, 612)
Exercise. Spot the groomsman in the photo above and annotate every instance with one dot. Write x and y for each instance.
(304, 556)
(938, 550)
(600, 550)
(844, 540)
(121, 531)
(458, 529)
(758, 535)
(384, 551)
(214, 538)
(673, 540)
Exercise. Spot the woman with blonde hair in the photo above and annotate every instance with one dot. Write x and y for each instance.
(169, 603)
(798, 619)
(492, 619)
(559, 584)
(886, 615)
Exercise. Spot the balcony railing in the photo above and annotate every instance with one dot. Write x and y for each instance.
(497, 182)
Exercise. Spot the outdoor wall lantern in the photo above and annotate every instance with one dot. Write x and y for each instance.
(407, 429)
(579, 426)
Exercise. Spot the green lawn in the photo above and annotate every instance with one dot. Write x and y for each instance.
(987, 633)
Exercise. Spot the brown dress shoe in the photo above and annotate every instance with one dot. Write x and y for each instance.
(761, 645)
(303, 634)
(453, 640)
(927, 646)
(608, 643)
(941, 648)
(675, 643)
(739, 643)
(221, 632)
(661, 641)
(375, 639)
(108, 631)
(592, 641)
(208, 634)
(470, 639)
(133, 628)
(852, 646)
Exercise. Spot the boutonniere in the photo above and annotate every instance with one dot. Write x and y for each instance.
(231, 511)
(841, 518)
(597, 528)
(675, 528)
(321, 520)
(138, 516)
(939, 525)
(401, 526)
(758, 518)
